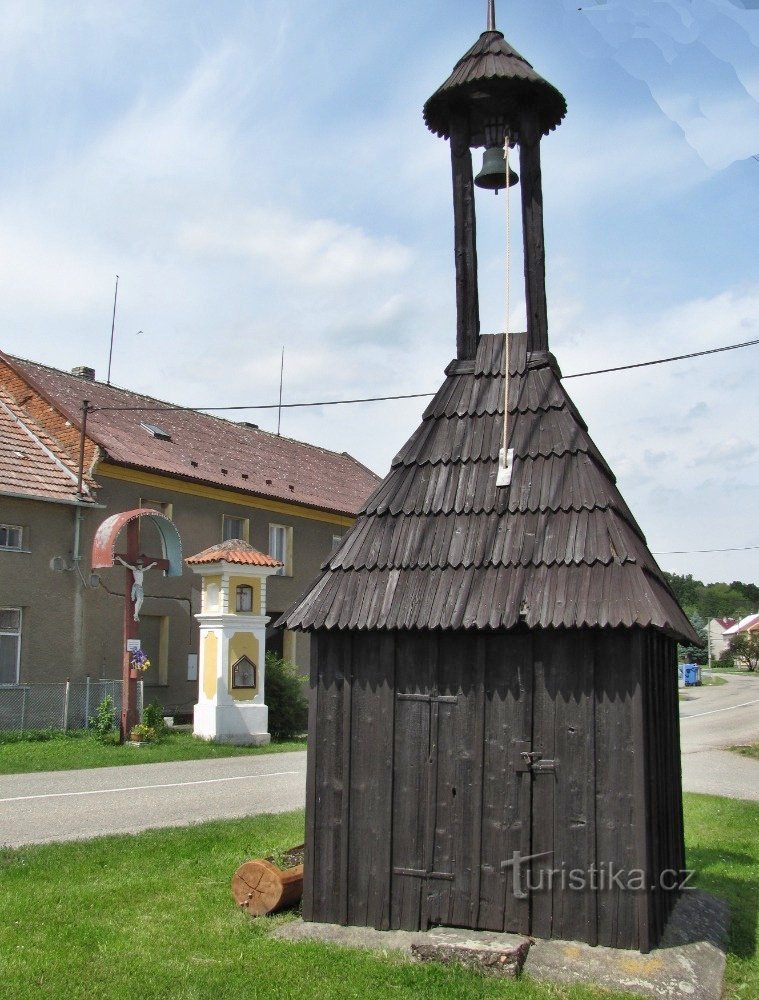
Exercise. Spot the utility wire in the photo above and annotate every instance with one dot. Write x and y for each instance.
(691, 552)
(413, 395)
(664, 361)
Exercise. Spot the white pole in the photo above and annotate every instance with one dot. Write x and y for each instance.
(66, 705)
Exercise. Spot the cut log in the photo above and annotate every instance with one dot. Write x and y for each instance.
(260, 887)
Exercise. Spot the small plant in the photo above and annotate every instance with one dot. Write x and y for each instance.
(152, 716)
(143, 734)
(103, 722)
(288, 708)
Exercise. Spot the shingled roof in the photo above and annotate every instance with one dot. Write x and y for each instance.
(32, 465)
(196, 446)
(440, 546)
(493, 68)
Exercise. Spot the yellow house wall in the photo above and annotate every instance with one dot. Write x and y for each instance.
(243, 644)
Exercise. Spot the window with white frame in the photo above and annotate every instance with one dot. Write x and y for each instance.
(10, 645)
(281, 547)
(11, 536)
(234, 527)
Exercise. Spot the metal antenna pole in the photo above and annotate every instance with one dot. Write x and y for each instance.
(113, 325)
(491, 15)
(82, 438)
(281, 374)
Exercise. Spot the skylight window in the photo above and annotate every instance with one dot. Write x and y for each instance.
(157, 432)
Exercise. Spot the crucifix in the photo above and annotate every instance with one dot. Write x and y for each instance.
(136, 565)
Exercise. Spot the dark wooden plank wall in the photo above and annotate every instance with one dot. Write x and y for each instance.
(617, 837)
(506, 798)
(663, 787)
(429, 761)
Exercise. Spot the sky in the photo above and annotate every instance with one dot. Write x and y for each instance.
(259, 176)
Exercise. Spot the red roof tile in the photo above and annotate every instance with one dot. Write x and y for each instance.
(31, 464)
(204, 448)
(233, 551)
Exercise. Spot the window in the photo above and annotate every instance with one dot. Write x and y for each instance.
(281, 546)
(160, 505)
(10, 645)
(234, 527)
(147, 532)
(157, 432)
(11, 536)
(244, 598)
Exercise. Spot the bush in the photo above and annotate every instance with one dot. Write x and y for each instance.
(152, 717)
(103, 722)
(288, 708)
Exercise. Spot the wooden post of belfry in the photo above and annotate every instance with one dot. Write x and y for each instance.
(131, 631)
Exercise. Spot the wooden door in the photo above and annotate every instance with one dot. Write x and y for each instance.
(493, 785)
(461, 801)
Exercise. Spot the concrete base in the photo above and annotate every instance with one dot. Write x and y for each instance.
(484, 951)
(241, 723)
(689, 964)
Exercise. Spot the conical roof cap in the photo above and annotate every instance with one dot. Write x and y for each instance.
(493, 80)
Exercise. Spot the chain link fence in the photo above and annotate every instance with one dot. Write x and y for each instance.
(58, 706)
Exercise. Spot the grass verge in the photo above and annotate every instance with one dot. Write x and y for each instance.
(151, 916)
(747, 750)
(58, 751)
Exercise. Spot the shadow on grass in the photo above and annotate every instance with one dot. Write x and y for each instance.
(742, 893)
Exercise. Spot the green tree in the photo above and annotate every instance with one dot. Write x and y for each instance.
(692, 654)
(288, 708)
(744, 647)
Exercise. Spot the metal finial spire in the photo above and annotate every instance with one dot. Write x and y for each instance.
(491, 15)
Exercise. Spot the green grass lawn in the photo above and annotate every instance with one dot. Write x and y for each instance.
(749, 750)
(151, 916)
(70, 751)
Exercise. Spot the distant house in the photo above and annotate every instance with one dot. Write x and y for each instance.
(748, 624)
(715, 635)
(217, 479)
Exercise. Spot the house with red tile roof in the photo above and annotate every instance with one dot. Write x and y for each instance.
(65, 467)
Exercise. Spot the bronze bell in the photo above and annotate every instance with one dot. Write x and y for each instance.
(492, 177)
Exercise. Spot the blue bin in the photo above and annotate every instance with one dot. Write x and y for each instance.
(691, 674)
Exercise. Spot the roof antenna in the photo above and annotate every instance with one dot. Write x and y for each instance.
(491, 15)
(113, 324)
(281, 374)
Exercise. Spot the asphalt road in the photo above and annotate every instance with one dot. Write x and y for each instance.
(715, 717)
(73, 805)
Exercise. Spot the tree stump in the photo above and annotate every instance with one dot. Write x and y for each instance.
(260, 887)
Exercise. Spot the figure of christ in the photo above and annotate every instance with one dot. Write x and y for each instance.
(138, 575)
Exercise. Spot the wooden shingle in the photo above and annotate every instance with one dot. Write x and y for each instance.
(440, 545)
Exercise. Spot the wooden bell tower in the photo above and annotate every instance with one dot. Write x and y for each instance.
(493, 675)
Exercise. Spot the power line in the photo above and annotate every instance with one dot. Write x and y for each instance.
(664, 361)
(691, 552)
(413, 395)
